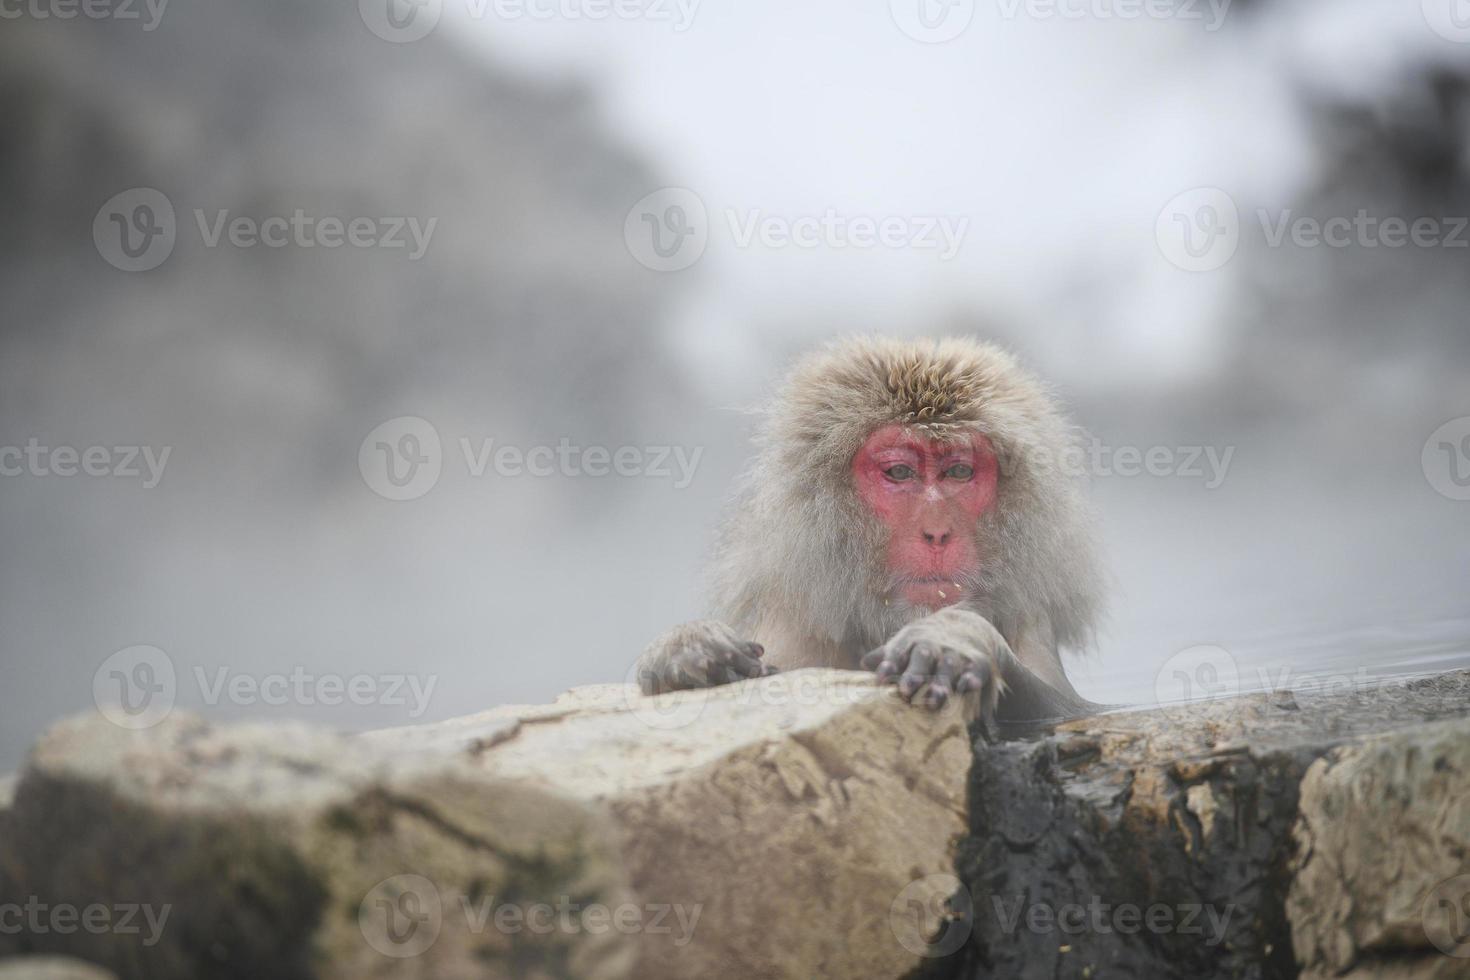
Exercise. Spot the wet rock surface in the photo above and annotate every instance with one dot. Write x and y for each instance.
(1262, 836)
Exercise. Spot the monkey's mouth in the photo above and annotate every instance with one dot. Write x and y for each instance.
(930, 590)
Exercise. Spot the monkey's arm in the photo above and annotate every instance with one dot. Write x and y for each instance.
(957, 650)
(703, 653)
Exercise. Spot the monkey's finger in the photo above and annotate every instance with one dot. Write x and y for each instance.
(684, 675)
(753, 649)
(936, 695)
(947, 672)
(888, 663)
(920, 669)
(976, 675)
(723, 673)
(949, 667)
(742, 666)
(739, 661)
(981, 688)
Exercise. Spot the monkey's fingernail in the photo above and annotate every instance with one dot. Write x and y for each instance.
(969, 682)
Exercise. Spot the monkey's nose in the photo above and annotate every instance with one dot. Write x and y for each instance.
(939, 540)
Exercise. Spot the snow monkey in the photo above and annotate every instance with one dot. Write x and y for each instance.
(908, 512)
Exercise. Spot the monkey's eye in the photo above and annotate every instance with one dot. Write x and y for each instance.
(960, 471)
(899, 472)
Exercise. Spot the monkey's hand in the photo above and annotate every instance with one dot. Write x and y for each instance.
(951, 651)
(704, 653)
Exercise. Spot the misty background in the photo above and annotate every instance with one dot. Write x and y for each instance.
(1075, 149)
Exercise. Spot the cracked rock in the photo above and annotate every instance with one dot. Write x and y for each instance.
(1267, 836)
(796, 826)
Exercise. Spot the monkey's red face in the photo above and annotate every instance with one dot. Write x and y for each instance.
(929, 495)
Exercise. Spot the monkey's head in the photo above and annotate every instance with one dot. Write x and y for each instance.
(898, 477)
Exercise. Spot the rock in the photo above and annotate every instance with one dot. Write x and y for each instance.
(1382, 871)
(51, 968)
(788, 814)
(802, 825)
(1266, 835)
(805, 825)
(288, 852)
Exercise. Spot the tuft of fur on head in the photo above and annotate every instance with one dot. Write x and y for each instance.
(800, 549)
